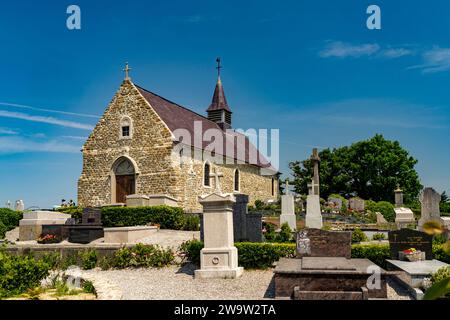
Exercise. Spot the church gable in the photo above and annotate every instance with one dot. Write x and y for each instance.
(128, 121)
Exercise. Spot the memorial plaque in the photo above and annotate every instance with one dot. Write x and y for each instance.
(407, 238)
(92, 216)
(324, 243)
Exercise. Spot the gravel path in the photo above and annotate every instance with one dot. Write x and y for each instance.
(173, 283)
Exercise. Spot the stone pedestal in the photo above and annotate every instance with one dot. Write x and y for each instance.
(288, 211)
(313, 213)
(218, 258)
(404, 217)
(128, 234)
(30, 227)
(162, 199)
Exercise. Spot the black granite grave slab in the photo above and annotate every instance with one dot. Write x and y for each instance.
(404, 239)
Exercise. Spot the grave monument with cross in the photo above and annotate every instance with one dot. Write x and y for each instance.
(219, 257)
(313, 212)
(288, 208)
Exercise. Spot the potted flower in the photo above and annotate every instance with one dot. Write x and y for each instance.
(411, 254)
(48, 238)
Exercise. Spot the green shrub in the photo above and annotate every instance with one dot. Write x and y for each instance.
(377, 253)
(150, 256)
(9, 219)
(269, 231)
(259, 205)
(167, 217)
(75, 212)
(191, 222)
(285, 234)
(440, 274)
(20, 273)
(250, 255)
(89, 259)
(379, 236)
(71, 259)
(358, 236)
(440, 254)
(88, 287)
(386, 209)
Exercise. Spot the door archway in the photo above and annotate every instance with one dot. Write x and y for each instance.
(124, 183)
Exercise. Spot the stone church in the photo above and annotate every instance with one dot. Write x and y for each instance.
(133, 151)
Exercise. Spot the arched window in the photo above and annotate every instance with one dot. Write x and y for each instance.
(236, 180)
(206, 175)
(125, 128)
(273, 186)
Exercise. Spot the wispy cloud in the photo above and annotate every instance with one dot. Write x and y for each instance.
(49, 120)
(9, 145)
(434, 60)
(14, 105)
(80, 138)
(392, 53)
(340, 49)
(8, 131)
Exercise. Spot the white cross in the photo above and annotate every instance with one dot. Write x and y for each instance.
(312, 187)
(216, 175)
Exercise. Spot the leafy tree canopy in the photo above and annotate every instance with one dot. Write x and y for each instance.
(369, 169)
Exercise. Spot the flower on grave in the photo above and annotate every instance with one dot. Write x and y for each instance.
(410, 251)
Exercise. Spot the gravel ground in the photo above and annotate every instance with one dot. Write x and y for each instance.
(173, 283)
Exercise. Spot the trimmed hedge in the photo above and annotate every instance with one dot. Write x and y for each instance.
(9, 219)
(167, 217)
(262, 255)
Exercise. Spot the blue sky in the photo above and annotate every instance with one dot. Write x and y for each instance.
(310, 68)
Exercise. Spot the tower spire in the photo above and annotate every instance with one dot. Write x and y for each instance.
(218, 110)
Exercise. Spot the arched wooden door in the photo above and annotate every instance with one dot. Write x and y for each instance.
(125, 180)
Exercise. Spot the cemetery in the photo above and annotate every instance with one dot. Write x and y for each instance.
(338, 249)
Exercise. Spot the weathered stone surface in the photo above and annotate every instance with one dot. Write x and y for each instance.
(30, 227)
(356, 204)
(288, 211)
(246, 226)
(404, 217)
(313, 217)
(328, 243)
(128, 234)
(430, 200)
(407, 238)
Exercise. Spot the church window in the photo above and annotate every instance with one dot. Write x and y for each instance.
(236, 180)
(125, 128)
(206, 175)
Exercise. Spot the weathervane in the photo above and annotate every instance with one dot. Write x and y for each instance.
(127, 70)
(219, 66)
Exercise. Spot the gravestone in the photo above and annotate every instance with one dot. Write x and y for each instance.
(356, 204)
(403, 216)
(430, 200)
(288, 208)
(20, 206)
(219, 257)
(313, 217)
(31, 226)
(246, 226)
(90, 228)
(380, 218)
(337, 203)
(324, 243)
(406, 239)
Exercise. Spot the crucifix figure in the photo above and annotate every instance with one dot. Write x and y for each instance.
(216, 175)
(315, 159)
(219, 66)
(127, 71)
(286, 187)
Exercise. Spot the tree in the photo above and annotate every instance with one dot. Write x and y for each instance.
(369, 169)
(444, 197)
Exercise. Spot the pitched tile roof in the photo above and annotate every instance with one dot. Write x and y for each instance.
(176, 116)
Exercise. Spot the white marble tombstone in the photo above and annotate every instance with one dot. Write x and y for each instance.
(430, 200)
(288, 208)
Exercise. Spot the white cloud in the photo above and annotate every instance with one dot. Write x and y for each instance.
(344, 50)
(10, 145)
(75, 138)
(14, 105)
(8, 131)
(434, 60)
(49, 120)
(392, 53)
